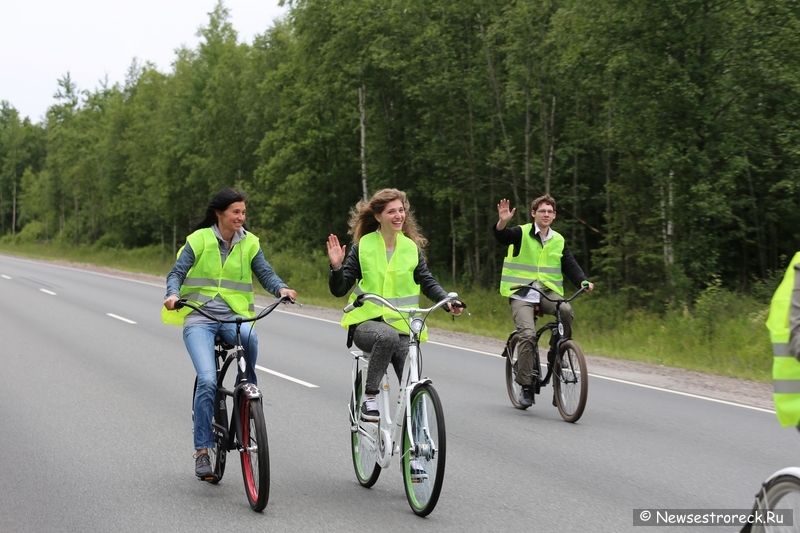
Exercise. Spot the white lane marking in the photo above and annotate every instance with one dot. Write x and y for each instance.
(690, 395)
(734, 404)
(112, 315)
(466, 349)
(284, 376)
(290, 378)
(86, 271)
(306, 316)
(4, 276)
(48, 292)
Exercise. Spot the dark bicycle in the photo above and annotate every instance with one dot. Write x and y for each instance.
(565, 363)
(246, 431)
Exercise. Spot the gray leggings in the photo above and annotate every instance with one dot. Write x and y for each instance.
(386, 345)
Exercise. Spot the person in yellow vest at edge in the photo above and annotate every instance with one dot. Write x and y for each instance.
(215, 268)
(536, 253)
(784, 331)
(387, 259)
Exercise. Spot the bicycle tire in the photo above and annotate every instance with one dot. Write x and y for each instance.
(427, 424)
(782, 492)
(571, 382)
(364, 452)
(512, 366)
(254, 453)
(217, 453)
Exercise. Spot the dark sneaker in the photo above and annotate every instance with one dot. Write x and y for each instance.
(369, 409)
(418, 472)
(202, 466)
(525, 396)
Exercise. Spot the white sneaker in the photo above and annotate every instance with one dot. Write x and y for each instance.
(369, 409)
(418, 472)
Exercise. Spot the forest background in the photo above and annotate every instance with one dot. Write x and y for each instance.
(667, 131)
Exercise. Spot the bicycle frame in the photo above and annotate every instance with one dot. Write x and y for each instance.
(242, 387)
(387, 434)
(234, 353)
(556, 328)
(388, 431)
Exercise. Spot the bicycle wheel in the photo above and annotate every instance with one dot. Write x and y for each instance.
(362, 443)
(217, 453)
(512, 366)
(254, 453)
(423, 464)
(783, 492)
(571, 381)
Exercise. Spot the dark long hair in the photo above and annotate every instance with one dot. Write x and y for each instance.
(221, 202)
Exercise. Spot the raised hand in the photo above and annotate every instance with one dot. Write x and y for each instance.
(336, 252)
(504, 213)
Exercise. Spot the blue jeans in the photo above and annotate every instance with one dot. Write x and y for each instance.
(199, 340)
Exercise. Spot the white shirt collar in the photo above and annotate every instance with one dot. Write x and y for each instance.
(541, 234)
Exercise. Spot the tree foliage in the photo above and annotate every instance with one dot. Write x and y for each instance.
(667, 131)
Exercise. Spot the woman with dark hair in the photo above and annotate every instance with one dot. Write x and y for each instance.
(215, 268)
(386, 259)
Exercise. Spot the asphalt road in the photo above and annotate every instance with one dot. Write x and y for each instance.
(95, 422)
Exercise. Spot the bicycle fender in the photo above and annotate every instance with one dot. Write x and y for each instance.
(413, 387)
(251, 391)
(506, 350)
(788, 471)
(561, 341)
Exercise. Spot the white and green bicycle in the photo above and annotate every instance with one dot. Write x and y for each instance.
(411, 422)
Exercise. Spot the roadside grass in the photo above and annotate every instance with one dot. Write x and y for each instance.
(723, 334)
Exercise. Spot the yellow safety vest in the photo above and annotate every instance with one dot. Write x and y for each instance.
(534, 262)
(209, 277)
(785, 368)
(393, 280)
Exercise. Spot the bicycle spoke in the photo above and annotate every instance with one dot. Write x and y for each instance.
(424, 451)
(571, 382)
(363, 442)
(254, 453)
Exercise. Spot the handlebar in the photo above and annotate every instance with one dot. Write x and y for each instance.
(267, 310)
(361, 298)
(584, 285)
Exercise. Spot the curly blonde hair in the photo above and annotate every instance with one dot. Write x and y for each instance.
(362, 216)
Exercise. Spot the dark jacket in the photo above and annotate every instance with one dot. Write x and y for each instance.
(341, 281)
(513, 237)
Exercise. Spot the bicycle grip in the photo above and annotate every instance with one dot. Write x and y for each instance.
(358, 302)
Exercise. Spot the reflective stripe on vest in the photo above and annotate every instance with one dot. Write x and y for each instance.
(534, 263)
(208, 277)
(208, 282)
(785, 367)
(393, 280)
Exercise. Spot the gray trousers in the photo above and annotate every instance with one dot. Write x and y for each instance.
(525, 322)
(386, 345)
